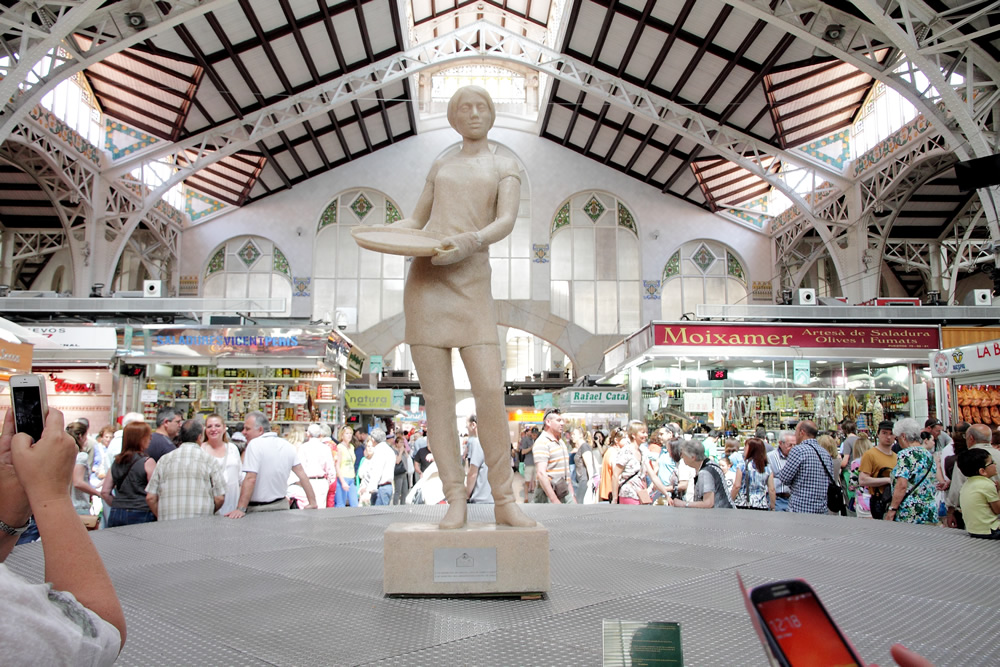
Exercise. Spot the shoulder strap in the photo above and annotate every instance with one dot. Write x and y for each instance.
(823, 465)
(720, 483)
(911, 490)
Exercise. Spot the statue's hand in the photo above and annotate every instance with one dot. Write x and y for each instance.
(456, 248)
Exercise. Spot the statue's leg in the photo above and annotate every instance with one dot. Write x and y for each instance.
(433, 366)
(482, 364)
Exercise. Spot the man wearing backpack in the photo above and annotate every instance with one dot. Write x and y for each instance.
(874, 473)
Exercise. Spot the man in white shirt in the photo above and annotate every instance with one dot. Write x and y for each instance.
(383, 465)
(268, 461)
(115, 446)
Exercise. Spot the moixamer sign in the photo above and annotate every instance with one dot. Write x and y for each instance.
(809, 336)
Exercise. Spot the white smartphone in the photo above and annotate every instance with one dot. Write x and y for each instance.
(27, 398)
(798, 629)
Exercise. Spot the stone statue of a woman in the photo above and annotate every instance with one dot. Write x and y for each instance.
(471, 200)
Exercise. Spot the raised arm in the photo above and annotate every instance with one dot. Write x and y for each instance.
(72, 564)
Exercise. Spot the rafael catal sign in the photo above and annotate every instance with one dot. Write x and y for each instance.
(581, 398)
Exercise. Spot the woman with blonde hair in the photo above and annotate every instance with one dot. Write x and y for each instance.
(632, 467)
(227, 454)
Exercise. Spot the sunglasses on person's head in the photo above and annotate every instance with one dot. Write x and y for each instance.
(551, 411)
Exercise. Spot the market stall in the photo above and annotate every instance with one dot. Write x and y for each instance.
(292, 375)
(736, 376)
(77, 363)
(968, 379)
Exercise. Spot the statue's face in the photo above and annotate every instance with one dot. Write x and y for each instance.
(472, 116)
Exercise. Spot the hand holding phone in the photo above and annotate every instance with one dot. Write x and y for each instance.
(796, 628)
(45, 468)
(27, 398)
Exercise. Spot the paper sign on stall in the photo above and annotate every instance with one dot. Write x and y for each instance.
(697, 401)
(297, 397)
(149, 396)
(220, 395)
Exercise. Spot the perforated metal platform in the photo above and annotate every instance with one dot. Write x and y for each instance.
(305, 588)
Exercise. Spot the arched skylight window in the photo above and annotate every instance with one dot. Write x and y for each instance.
(596, 280)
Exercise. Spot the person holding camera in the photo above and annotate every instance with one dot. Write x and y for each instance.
(74, 618)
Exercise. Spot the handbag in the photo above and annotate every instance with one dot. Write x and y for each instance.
(881, 499)
(834, 498)
(561, 487)
(644, 498)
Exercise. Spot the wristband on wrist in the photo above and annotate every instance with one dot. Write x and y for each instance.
(10, 530)
(243, 509)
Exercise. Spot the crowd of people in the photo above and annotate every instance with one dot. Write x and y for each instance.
(199, 467)
(911, 473)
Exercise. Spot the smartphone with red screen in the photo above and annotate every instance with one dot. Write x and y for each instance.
(798, 629)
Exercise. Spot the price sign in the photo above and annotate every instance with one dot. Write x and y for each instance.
(149, 396)
(220, 395)
(297, 397)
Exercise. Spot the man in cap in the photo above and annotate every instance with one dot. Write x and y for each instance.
(936, 429)
(875, 471)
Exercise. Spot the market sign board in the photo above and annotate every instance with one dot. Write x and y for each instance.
(15, 356)
(583, 399)
(368, 399)
(238, 342)
(722, 335)
(966, 360)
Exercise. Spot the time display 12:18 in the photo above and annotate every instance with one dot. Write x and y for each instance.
(782, 624)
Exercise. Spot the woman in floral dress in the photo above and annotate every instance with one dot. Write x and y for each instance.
(915, 477)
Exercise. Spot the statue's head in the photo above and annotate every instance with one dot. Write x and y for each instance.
(464, 94)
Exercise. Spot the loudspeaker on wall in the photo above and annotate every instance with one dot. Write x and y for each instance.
(805, 296)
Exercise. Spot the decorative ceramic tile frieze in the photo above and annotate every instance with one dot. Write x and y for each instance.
(121, 140)
(188, 286)
(74, 139)
(672, 267)
(217, 263)
(329, 216)
(301, 286)
(891, 144)
(362, 206)
(625, 219)
(392, 213)
(594, 208)
(834, 150)
(197, 205)
(561, 220)
(281, 263)
(703, 258)
(540, 253)
(651, 290)
(249, 253)
(734, 268)
(761, 290)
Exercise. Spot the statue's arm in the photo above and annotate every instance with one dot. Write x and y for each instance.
(422, 212)
(508, 201)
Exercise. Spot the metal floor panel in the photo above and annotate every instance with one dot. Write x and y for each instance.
(305, 588)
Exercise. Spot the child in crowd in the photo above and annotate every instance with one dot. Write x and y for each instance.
(75, 618)
(980, 496)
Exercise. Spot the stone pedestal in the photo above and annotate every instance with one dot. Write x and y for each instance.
(480, 559)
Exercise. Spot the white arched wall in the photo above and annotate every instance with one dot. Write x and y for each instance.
(717, 281)
(248, 266)
(555, 174)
